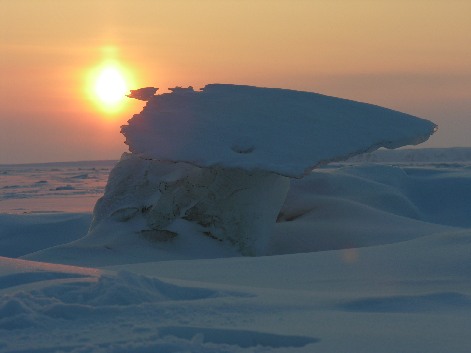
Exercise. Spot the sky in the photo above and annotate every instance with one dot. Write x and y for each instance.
(409, 55)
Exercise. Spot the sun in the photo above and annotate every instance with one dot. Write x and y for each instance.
(108, 85)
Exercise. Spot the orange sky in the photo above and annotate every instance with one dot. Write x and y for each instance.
(413, 56)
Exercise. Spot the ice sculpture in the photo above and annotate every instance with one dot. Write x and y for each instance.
(218, 161)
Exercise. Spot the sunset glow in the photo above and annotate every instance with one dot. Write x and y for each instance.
(67, 65)
(106, 87)
(110, 86)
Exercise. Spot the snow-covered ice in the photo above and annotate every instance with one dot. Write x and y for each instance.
(385, 268)
(156, 199)
(217, 163)
(30, 188)
(283, 131)
(362, 257)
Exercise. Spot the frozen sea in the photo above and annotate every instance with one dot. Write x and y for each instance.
(52, 187)
(370, 255)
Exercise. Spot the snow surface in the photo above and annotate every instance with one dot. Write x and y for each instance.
(365, 258)
(283, 131)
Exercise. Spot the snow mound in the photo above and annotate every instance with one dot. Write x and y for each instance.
(68, 296)
(282, 131)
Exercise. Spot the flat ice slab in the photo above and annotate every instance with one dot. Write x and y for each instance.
(282, 131)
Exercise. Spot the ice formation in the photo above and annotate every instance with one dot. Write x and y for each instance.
(283, 131)
(219, 160)
(164, 199)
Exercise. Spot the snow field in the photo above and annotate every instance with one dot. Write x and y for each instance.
(362, 260)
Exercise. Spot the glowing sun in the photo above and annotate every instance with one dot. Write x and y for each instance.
(107, 85)
(110, 86)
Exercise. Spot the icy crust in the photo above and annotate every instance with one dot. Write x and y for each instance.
(282, 131)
